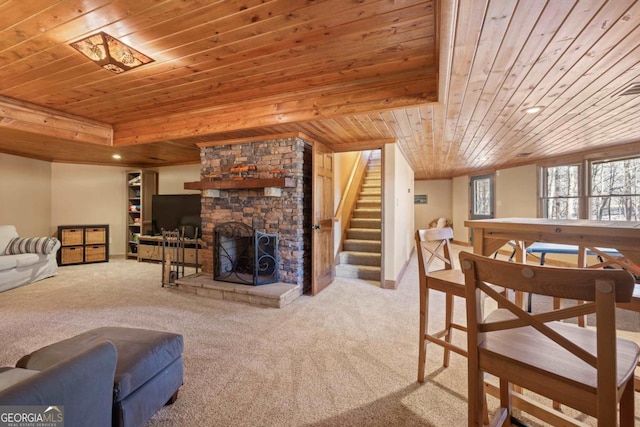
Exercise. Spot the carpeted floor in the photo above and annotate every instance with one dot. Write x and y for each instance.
(347, 357)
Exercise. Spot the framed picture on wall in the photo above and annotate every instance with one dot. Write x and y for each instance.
(420, 199)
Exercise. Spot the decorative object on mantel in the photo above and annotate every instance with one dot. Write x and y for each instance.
(212, 175)
(241, 167)
(278, 173)
(242, 170)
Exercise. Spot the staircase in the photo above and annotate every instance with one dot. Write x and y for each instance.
(361, 254)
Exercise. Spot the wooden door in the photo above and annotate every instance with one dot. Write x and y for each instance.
(323, 270)
(482, 197)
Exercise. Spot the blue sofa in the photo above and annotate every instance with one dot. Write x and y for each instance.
(80, 384)
(149, 368)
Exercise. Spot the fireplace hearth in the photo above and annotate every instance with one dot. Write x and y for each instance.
(244, 255)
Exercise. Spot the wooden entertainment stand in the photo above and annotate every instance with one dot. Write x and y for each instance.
(150, 249)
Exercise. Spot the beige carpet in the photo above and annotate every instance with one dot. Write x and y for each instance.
(347, 357)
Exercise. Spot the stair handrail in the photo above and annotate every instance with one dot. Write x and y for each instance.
(350, 194)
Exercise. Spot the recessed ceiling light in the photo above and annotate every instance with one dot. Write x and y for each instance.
(533, 110)
(117, 156)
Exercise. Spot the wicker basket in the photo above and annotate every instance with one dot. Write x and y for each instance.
(72, 236)
(94, 253)
(95, 236)
(72, 254)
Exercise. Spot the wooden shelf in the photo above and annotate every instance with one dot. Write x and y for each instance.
(240, 184)
(141, 186)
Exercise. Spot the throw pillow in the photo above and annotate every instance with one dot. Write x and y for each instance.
(34, 245)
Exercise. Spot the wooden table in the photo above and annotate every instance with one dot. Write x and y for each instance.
(489, 235)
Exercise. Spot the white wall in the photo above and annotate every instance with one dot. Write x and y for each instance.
(171, 179)
(439, 194)
(86, 194)
(25, 195)
(398, 212)
(516, 196)
(516, 192)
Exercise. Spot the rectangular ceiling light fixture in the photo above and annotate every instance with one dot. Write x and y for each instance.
(110, 53)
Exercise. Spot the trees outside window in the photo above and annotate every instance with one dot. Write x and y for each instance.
(615, 190)
(482, 196)
(612, 193)
(481, 201)
(561, 192)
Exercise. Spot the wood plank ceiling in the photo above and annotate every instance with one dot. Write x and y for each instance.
(449, 81)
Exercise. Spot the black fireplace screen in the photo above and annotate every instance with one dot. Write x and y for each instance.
(244, 255)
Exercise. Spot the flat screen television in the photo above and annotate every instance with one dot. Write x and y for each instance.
(173, 211)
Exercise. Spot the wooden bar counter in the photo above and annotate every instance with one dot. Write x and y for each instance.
(489, 235)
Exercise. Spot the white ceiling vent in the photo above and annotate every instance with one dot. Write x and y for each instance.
(632, 89)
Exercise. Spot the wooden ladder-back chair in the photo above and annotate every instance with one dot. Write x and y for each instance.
(634, 305)
(588, 370)
(447, 280)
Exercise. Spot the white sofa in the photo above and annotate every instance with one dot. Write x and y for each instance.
(25, 260)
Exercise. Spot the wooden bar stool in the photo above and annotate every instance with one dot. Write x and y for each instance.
(447, 280)
(589, 370)
(634, 305)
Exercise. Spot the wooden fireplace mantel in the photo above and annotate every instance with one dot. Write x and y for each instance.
(241, 184)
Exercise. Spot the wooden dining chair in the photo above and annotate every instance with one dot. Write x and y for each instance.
(431, 245)
(588, 370)
(634, 305)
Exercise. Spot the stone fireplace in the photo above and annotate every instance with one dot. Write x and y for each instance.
(285, 212)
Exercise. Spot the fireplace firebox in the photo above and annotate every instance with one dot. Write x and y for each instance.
(244, 255)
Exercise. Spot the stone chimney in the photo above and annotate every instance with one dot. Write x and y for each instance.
(286, 211)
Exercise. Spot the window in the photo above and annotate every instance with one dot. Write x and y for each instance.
(612, 192)
(561, 192)
(615, 190)
(482, 196)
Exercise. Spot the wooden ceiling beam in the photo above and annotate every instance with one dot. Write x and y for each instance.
(374, 144)
(221, 142)
(22, 116)
(303, 107)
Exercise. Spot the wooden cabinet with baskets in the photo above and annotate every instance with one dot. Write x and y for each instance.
(150, 249)
(82, 244)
